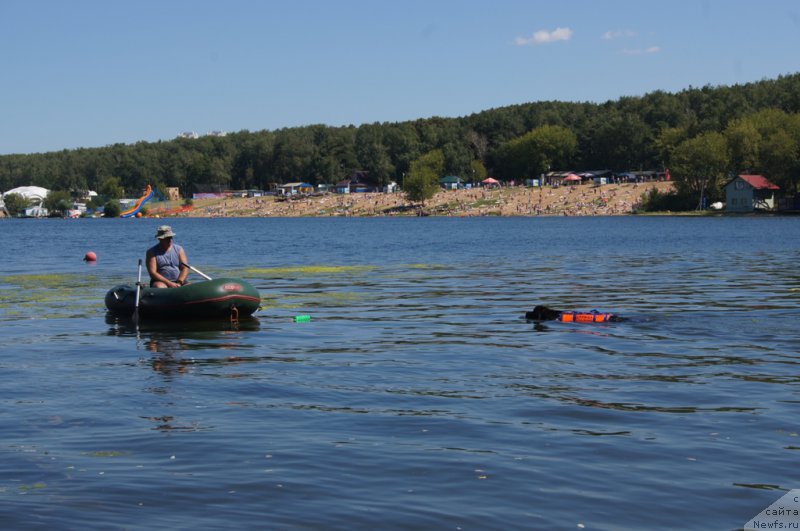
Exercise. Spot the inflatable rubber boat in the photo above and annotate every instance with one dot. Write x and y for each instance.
(221, 297)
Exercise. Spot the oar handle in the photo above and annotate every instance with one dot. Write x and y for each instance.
(197, 271)
(138, 289)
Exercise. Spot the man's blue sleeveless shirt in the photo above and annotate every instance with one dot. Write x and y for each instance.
(168, 263)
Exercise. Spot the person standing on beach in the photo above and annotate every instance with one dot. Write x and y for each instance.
(166, 261)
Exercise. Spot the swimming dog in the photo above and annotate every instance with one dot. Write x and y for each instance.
(543, 313)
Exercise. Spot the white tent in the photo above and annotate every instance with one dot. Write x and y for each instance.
(34, 194)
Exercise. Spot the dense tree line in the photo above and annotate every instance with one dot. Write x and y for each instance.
(703, 135)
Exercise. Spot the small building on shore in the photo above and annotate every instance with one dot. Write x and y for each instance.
(173, 193)
(745, 193)
(451, 182)
(295, 188)
(359, 182)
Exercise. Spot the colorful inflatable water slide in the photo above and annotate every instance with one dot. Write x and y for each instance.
(139, 204)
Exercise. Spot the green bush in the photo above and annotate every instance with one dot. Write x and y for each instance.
(655, 201)
(58, 203)
(15, 204)
(112, 209)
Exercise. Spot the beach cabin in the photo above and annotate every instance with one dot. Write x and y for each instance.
(295, 188)
(451, 182)
(359, 182)
(599, 177)
(745, 193)
(563, 177)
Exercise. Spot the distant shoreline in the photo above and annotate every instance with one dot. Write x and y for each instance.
(580, 200)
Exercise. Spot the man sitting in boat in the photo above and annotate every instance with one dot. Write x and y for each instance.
(165, 261)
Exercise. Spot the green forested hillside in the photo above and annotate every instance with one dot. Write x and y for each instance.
(701, 134)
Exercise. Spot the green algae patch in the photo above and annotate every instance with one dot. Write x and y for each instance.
(45, 293)
(49, 281)
(340, 296)
(105, 453)
(28, 488)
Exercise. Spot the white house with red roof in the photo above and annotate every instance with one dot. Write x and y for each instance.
(745, 193)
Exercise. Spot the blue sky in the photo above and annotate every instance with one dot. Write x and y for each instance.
(90, 73)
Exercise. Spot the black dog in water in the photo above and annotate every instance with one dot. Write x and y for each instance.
(543, 313)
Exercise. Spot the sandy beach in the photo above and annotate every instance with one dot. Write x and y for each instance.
(581, 200)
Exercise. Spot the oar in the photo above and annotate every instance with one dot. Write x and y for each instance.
(197, 271)
(138, 289)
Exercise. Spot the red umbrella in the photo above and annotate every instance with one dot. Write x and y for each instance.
(489, 180)
(573, 178)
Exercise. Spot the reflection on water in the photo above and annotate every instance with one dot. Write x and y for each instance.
(173, 345)
(122, 326)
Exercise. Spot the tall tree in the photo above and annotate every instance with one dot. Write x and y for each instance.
(620, 141)
(403, 144)
(780, 158)
(111, 188)
(477, 171)
(667, 141)
(58, 202)
(699, 165)
(372, 154)
(546, 147)
(744, 142)
(422, 181)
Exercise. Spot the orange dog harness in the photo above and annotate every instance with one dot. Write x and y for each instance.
(585, 317)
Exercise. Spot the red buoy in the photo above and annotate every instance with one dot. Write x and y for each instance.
(90, 257)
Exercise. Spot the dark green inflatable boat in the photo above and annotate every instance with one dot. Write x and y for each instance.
(221, 297)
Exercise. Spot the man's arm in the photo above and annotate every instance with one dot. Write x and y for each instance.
(184, 268)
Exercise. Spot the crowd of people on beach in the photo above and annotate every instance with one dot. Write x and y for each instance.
(578, 200)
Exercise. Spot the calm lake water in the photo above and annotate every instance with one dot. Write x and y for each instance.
(417, 396)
